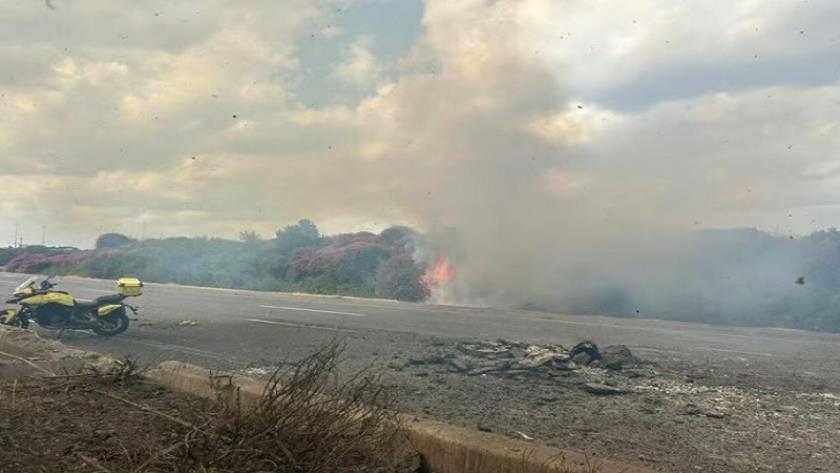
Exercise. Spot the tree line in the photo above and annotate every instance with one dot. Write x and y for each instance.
(298, 258)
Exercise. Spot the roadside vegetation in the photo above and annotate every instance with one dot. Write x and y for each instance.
(739, 277)
(298, 258)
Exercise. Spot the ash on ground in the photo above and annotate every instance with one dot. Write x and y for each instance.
(598, 371)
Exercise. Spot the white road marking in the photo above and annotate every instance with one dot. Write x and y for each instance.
(290, 324)
(739, 352)
(313, 310)
(89, 289)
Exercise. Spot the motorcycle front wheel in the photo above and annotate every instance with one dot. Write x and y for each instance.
(112, 324)
(20, 322)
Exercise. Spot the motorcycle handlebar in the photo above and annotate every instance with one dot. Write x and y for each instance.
(47, 284)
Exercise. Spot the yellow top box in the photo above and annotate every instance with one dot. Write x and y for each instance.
(130, 286)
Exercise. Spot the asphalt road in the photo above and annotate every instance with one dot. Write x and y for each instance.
(779, 384)
(228, 311)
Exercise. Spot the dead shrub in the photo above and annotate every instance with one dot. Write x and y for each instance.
(306, 420)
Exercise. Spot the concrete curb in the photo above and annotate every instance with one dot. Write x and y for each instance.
(23, 352)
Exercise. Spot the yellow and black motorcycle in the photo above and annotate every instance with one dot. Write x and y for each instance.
(59, 310)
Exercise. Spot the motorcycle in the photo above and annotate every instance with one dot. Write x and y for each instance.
(59, 310)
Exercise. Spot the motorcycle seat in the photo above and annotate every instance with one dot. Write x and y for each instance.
(99, 301)
(85, 304)
(108, 299)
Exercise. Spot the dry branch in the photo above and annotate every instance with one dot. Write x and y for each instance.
(24, 360)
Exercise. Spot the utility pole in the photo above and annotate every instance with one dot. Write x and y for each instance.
(15, 241)
(43, 235)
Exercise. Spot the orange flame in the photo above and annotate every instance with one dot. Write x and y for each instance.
(439, 272)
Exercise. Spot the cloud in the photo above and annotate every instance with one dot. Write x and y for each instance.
(360, 67)
(568, 122)
(633, 54)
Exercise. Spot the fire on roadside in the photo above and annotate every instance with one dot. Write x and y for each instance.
(439, 272)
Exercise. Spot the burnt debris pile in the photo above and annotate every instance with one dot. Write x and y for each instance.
(511, 358)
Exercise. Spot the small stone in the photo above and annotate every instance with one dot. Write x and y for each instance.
(616, 357)
(603, 389)
(638, 373)
(565, 365)
(582, 358)
(692, 410)
(516, 353)
(542, 358)
(459, 365)
(483, 427)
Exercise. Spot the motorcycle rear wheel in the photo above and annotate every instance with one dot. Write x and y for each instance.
(112, 324)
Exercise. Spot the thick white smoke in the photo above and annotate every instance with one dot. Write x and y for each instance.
(543, 201)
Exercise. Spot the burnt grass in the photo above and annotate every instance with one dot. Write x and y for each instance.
(115, 421)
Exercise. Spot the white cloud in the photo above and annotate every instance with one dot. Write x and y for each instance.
(359, 66)
(638, 52)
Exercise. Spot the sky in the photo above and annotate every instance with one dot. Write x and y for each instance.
(563, 118)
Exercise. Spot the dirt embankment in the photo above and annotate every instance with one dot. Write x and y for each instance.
(105, 417)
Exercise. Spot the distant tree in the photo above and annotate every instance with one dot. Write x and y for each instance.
(249, 236)
(398, 235)
(113, 240)
(291, 237)
(399, 278)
